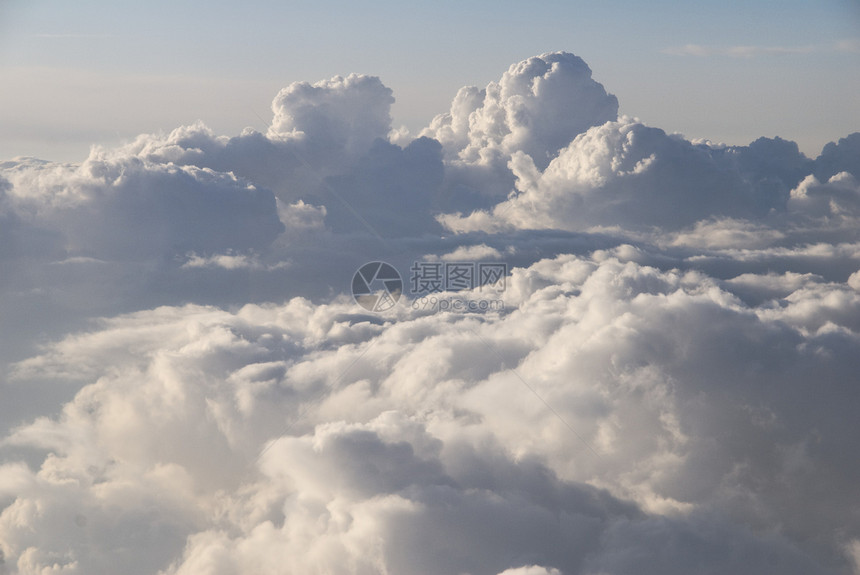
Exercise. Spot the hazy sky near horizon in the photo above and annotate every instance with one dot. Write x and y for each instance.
(88, 72)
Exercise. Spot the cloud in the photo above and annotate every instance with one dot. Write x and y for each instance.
(227, 261)
(327, 147)
(751, 51)
(338, 114)
(620, 173)
(129, 209)
(530, 570)
(627, 176)
(469, 254)
(537, 107)
(379, 437)
(837, 157)
(195, 216)
(728, 233)
(838, 198)
(668, 388)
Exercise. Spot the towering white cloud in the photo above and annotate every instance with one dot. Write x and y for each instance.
(538, 106)
(339, 114)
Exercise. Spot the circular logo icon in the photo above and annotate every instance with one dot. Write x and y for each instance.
(377, 286)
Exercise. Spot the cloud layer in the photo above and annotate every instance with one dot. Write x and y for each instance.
(417, 445)
(669, 386)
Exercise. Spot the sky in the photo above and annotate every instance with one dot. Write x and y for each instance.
(76, 74)
(435, 289)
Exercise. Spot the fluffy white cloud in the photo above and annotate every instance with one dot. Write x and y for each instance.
(626, 174)
(669, 387)
(339, 114)
(838, 198)
(530, 570)
(129, 209)
(416, 445)
(470, 253)
(538, 106)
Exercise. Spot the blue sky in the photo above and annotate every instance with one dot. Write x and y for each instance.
(101, 72)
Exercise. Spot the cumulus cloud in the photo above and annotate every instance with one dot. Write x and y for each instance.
(627, 174)
(195, 216)
(471, 253)
(668, 388)
(839, 197)
(326, 147)
(538, 106)
(129, 209)
(841, 156)
(376, 439)
(339, 114)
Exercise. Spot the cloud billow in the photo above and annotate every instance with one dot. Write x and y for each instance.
(537, 107)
